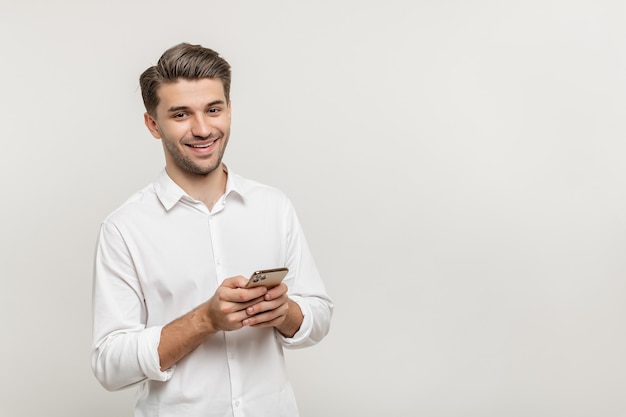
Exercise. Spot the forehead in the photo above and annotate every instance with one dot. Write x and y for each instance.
(190, 93)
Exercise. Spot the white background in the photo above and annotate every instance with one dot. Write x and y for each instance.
(458, 167)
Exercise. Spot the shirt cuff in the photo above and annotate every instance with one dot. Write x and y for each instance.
(148, 355)
(305, 329)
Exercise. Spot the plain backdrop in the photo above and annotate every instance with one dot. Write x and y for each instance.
(458, 167)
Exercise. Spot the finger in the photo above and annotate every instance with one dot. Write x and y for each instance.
(244, 306)
(242, 295)
(265, 305)
(234, 282)
(265, 312)
(276, 292)
(264, 320)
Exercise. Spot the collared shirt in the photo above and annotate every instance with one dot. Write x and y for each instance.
(160, 255)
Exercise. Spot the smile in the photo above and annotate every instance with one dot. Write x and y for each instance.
(203, 145)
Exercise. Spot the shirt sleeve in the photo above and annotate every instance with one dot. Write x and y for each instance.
(315, 325)
(124, 350)
(307, 290)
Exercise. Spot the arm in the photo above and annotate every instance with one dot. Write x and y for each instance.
(121, 353)
(306, 291)
(297, 328)
(225, 311)
(125, 349)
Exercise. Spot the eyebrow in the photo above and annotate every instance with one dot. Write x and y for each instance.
(174, 109)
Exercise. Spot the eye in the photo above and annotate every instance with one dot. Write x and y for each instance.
(179, 116)
(214, 111)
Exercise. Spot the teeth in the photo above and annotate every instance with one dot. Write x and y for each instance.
(206, 145)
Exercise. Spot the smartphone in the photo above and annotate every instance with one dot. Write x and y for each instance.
(267, 277)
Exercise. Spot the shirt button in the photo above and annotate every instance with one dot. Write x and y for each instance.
(236, 403)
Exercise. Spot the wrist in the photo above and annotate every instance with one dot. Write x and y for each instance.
(293, 320)
(202, 320)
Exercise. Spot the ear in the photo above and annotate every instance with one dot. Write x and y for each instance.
(152, 125)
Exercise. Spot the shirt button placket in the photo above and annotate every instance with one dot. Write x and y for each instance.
(238, 408)
(214, 237)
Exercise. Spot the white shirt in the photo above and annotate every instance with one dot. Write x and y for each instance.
(160, 255)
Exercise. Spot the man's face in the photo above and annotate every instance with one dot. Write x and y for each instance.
(193, 122)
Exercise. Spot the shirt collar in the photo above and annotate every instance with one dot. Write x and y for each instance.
(170, 193)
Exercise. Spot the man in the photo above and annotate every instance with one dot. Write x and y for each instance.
(171, 314)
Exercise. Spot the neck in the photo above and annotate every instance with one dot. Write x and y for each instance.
(206, 188)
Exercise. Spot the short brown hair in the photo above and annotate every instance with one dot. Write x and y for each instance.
(186, 61)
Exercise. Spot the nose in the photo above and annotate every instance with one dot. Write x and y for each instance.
(200, 126)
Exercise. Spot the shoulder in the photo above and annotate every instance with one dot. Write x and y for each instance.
(253, 190)
(138, 205)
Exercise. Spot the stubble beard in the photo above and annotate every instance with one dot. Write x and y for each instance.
(188, 165)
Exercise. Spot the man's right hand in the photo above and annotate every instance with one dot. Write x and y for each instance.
(227, 307)
(226, 311)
